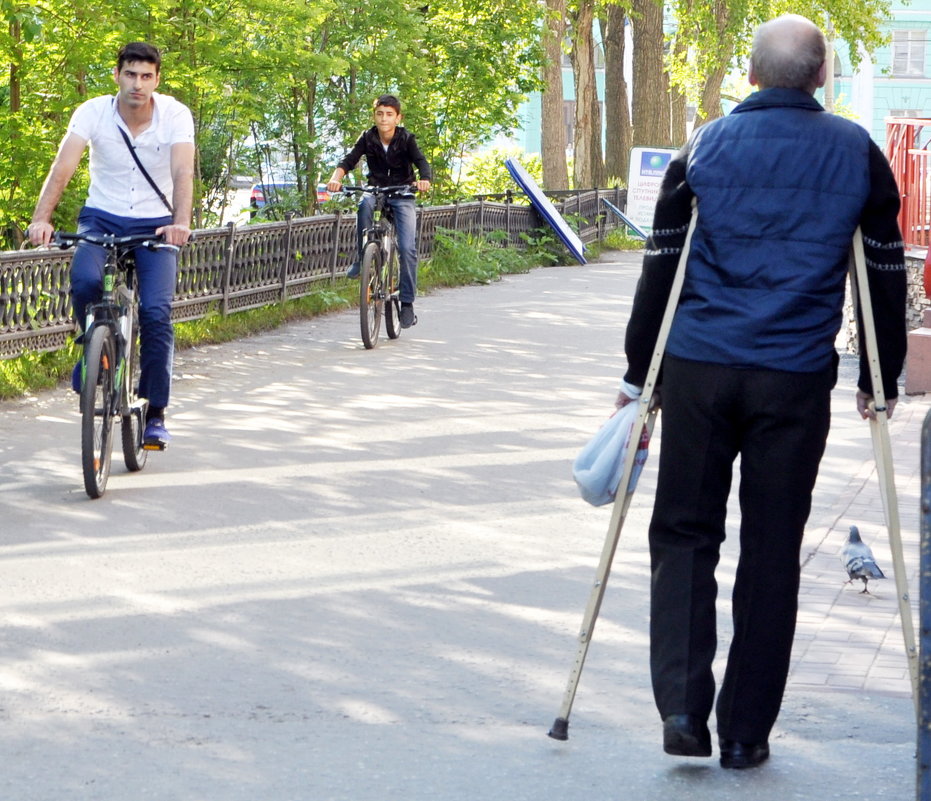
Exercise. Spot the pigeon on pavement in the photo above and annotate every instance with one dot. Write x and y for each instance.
(858, 560)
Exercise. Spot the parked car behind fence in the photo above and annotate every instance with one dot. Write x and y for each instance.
(277, 193)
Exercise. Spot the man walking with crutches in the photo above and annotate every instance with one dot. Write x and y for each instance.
(781, 187)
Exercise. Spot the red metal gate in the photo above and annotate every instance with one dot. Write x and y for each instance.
(912, 169)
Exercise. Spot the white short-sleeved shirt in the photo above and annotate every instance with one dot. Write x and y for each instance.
(117, 186)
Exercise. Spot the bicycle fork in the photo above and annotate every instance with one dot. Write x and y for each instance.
(130, 402)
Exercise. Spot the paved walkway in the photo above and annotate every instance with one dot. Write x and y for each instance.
(359, 575)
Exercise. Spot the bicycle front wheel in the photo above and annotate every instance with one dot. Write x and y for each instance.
(371, 294)
(97, 408)
(133, 420)
(392, 301)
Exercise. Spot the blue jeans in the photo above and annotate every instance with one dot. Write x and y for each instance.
(156, 273)
(405, 224)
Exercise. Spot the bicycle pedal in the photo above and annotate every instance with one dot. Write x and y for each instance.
(154, 445)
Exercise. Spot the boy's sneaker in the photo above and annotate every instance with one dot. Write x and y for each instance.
(156, 436)
(408, 318)
(76, 378)
(353, 271)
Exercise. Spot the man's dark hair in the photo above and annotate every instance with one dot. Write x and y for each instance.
(788, 53)
(388, 100)
(139, 51)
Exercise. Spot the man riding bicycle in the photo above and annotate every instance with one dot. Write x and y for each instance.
(391, 153)
(141, 153)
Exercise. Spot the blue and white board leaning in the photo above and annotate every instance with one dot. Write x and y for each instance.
(547, 210)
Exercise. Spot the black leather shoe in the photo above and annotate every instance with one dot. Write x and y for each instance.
(686, 735)
(742, 755)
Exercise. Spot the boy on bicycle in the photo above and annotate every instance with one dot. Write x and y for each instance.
(141, 153)
(391, 153)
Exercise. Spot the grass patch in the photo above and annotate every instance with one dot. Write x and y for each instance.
(214, 328)
(620, 239)
(33, 372)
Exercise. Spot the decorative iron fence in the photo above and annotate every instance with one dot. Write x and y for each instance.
(235, 268)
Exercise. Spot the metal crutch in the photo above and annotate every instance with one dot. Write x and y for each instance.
(646, 417)
(882, 450)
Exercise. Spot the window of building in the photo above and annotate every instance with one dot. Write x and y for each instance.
(908, 53)
(599, 54)
(908, 113)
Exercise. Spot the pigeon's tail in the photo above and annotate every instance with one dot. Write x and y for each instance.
(861, 567)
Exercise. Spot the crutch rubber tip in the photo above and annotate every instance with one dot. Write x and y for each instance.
(560, 729)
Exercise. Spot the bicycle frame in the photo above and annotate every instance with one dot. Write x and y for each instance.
(116, 307)
(115, 310)
(382, 231)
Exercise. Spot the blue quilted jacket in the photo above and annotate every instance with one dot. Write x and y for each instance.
(781, 185)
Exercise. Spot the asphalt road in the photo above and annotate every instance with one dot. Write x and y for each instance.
(358, 575)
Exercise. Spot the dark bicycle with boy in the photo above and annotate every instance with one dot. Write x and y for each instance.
(379, 270)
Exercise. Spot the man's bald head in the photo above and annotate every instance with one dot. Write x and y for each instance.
(788, 53)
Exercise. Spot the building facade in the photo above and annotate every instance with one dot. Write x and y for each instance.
(896, 81)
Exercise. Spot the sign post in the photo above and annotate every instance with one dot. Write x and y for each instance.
(647, 165)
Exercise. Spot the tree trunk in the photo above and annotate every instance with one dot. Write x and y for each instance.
(709, 107)
(710, 104)
(650, 117)
(552, 117)
(587, 144)
(16, 57)
(678, 124)
(596, 153)
(617, 103)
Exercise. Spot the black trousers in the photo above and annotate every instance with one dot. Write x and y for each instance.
(778, 423)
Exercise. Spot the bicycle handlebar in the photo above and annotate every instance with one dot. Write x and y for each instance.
(401, 190)
(65, 240)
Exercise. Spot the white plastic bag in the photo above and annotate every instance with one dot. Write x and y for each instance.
(598, 467)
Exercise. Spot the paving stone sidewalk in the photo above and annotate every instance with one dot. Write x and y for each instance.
(359, 576)
(848, 640)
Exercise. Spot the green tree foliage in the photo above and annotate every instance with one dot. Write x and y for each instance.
(295, 76)
(486, 173)
(479, 60)
(713, 35)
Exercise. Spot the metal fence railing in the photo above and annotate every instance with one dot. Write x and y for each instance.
(907, 143)
(244, 267)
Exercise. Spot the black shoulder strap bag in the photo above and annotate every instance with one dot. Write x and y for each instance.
(145, 174)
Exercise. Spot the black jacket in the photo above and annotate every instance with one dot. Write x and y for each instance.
(391, 168)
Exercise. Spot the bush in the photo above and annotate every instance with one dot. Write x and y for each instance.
(36, 371)
(461, 258)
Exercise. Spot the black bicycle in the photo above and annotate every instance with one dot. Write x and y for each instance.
(110, 361)
(379, 274)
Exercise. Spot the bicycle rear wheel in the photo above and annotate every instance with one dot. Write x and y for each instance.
(371, 294)
(133, 419)
(97, 409)
(392, 301)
